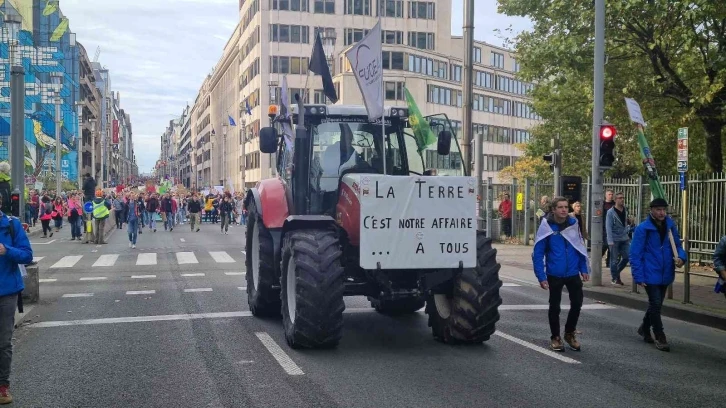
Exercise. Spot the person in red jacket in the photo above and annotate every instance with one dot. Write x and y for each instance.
(505, 212)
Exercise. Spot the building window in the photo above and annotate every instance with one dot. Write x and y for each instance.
(353, 35)
(497, 60)
(455, 73)
(393, 60)
(517, 68)
(394, 91)
(324, 6)
(390, 8)
(422, 40)
(496, 163)
(427, 66)
(328, 32)
(477, 55)
(358, 7)
(291, 5)
(425, 10)
(284, 33)
(391, 37)
(288, 65)
(443, 96)
(320, 98)
(291, 94)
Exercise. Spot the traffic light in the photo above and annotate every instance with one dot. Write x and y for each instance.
(607, 145)
(15, 203)
(550, 158)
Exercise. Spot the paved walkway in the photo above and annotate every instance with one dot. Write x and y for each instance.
(516, 263)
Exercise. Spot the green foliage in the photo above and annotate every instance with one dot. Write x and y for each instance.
(668, 55)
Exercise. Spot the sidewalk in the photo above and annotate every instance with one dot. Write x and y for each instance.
(706, 307)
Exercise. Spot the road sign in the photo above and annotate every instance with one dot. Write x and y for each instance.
(682, 149)
(520, 201)
(683, 133)
(682, 165)
(683, 181)
(88, 207)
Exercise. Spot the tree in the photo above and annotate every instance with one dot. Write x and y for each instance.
(666, 54)
(533, 167)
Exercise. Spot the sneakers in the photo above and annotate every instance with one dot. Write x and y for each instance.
(556, 344)
(661, 343)
(5, 397)
(133, 246)
(129, 245)
(571, 341)
(647, 337)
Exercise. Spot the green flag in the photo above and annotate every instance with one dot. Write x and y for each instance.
(421, 130)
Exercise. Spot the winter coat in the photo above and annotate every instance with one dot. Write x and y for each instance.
(615, 230)
(18, 252)
(719, 256)
(555, 256)
(651, 258)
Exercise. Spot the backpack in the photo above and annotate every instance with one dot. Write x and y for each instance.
(48, 207)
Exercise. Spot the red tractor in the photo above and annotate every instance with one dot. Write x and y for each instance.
(339, 220)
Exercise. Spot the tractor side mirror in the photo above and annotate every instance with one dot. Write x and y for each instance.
(444, 143)
(268, 140)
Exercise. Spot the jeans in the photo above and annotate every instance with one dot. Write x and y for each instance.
(119, 219)
(58, 223)
(133, 228)
(8, 304)
(225, 222)
(169, 220)
(152, 220)
(46, 227)
(620, 249)
(76, 227)
(507, 226)
(574, 288)
(656, 295)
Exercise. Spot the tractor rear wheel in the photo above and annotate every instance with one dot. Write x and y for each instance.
(398, 306)
(470, 312)
(263, 299)
(312, 289)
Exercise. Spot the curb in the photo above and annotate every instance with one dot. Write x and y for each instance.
(670, 308)
(20, 317)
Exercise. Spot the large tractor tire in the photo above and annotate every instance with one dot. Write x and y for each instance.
(397, 307)
(312, 289)
(263, 299)
(470, 312)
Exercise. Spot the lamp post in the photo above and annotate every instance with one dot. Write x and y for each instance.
(93, 148)
(242, 157)
(79, 141)
(57, 80)
(223, 173)
(16, 145)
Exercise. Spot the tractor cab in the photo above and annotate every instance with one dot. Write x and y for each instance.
(341, 140)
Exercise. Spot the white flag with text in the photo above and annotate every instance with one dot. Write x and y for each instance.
(366, 61)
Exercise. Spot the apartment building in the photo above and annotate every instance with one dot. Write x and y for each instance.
(274, 38)
(90, 157)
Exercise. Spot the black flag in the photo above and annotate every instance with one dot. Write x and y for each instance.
(319, 65)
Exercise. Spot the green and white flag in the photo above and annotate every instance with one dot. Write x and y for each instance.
(421, 130)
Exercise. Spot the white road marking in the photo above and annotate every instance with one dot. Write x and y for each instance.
(182, 240)
(95, 278)
(594, 306)
(47, 280)
(140, 292)
(186, 258)
(143, 276)
(67, 261)
(148, 258)
(242, 287)
(94, 250)
(279, 354)
(74, 295)
(198, 290)
(522, 281)
(536, 348)
(244, 252)
(510, 284)
(189, 275)
(221, 257)
(106, 260)
(234, 273)
(139, 319)
(43, 243)
(98, 246)
(38, 258)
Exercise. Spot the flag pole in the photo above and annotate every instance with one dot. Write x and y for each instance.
(383, 101)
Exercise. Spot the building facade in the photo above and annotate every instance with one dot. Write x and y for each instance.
(274, 39)
(90, 101)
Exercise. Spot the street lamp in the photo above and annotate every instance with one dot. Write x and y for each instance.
(93, 148)
(16, 142)
(79, 141)
(224, 154)
(57, 80)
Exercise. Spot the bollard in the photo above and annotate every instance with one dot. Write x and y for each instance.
(31, 293)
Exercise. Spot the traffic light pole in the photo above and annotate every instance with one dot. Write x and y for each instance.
(596, 213)
(17, 137)
(557, 161)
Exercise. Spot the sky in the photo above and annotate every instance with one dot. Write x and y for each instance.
(159, 51)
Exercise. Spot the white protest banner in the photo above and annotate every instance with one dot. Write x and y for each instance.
(417, 222)
(634, 111)
(366, 59)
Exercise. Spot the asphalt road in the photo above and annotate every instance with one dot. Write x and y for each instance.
(173, 330)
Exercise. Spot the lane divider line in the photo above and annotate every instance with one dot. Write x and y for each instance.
(139, 319)
(140, 292)
(542, 350)
(75, 295)
(279, 354)
(143, 276)
(198, 290)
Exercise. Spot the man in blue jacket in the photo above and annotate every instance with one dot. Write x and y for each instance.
(616, 225)
(654, 264)
(15, 250)
(560, 260)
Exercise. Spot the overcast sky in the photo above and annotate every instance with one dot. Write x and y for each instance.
(159, 51)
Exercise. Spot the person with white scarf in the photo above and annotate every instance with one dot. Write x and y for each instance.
(560, 260)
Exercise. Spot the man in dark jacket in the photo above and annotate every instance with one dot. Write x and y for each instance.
(653, 264)
(225, 211)
(560, 260)
(15, 250)
(89, 188)
(194, 205)
(719, 258)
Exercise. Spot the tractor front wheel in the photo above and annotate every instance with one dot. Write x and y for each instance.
(263, 299)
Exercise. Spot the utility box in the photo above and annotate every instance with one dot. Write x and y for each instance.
(31, 293)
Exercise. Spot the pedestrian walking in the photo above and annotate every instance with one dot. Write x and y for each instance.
(15, 251)
(132, 220)
(560, 260)
(505, 213)
(719, 264)
(194, 205)
(606, 206)
(46, 215)
(616, 226)
(225, 210)
(101, 211)
(653, 263)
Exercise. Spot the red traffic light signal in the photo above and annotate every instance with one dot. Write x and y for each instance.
(607, 145)
(607, 132)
